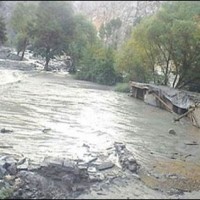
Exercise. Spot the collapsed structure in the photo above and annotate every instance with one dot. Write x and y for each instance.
(183, 103)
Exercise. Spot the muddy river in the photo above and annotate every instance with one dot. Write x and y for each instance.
(51, 114)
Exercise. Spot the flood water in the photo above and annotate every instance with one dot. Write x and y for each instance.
(80, 112)
(77, 114)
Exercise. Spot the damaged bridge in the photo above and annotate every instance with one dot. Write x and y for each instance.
(179, 102)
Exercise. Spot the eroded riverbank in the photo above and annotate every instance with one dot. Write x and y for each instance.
(53, 115)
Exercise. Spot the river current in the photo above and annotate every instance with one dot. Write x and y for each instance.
(52, 114)
(79, 112)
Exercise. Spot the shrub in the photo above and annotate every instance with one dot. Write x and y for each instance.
(122, 87)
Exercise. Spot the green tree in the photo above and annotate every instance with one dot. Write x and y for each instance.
(84, 36)
(130, 63)
(109, 32)
(53, 29)
(98, 65)
(186, 34)
(175, 34)
(22, 22)
(169, 39)
(3, 37)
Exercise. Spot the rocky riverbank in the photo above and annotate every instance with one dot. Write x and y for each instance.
(98, 176)
(61, 178)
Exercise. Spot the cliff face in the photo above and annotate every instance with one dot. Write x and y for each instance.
(102, 12)
(129, 12)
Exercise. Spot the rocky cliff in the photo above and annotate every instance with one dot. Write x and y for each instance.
(102, 12)
(129, 12)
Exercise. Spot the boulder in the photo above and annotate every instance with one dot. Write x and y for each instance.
(105, 165)
(12, 169)
(3, 130)
(172, 132)
(23, 166)
(126, 158)
(69, 179)
(2, 172)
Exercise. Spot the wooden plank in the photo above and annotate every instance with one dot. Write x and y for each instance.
(163, 103)
(183, 115)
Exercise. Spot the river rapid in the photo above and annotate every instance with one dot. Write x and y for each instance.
(51, 114)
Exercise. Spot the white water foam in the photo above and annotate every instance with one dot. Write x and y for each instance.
(10, 76)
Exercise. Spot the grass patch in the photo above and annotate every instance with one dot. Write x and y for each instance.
(122, 87)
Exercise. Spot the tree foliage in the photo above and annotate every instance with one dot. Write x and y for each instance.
(22, 22)
(3, 37)
(98, 65)
(129, 63)
(169, 39)
(53, 29)
(84, 36)
(108, 32)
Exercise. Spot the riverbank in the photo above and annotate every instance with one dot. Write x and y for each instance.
(115, 175)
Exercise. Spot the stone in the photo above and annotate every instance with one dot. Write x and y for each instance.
(82, 166)
(132, 160)
(68, 178)
(54, 162)
(78, 188)
(105, 165)
(20, 162)
(20, 191)
(24, 166)
(172, 176)
(90, 160)
(2, 172)
(3, 157)
(2, 163)
(46, 130)
(9, 178)
(69, 166)
(29, 194)
(172, 132)
(10, 161)
(44, 164)
(12, 169)
(92, 169)
(18, 183)
(96, 177)
(132, 168)
(34, 167)
(3, 130)
(2, 183)
(85, 145)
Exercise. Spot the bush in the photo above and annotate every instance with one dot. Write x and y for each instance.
(98, 66)
(122, 87)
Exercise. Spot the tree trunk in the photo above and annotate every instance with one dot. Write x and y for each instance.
(167, 72)
(176, 76)
(22, 57)
(175, 79)
(47, 59)
(23, 50)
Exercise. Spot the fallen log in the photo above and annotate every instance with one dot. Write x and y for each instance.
(183, 115)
